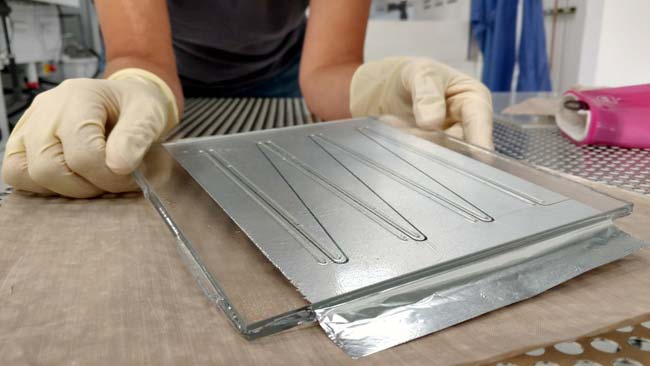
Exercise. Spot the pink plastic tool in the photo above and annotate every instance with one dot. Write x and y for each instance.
(611, 116)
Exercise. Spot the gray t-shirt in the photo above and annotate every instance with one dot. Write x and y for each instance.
(233, 44)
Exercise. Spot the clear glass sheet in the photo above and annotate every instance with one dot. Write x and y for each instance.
(244, 283)
(230, 269)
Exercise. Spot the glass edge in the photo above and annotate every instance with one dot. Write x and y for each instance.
(208, 284)
(214, 292)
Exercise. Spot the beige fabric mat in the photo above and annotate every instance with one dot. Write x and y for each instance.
(99, 282)
(624, 344)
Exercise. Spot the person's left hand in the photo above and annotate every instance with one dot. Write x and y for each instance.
(426, 94)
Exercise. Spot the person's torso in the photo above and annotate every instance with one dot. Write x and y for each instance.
(235, 43)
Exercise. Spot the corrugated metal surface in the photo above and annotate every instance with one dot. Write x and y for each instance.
(216, 116)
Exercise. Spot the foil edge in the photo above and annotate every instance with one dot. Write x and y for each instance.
(379, 321)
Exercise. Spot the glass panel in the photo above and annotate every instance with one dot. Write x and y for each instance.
(341, 208)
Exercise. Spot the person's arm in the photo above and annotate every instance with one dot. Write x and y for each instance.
(421, 92)
(332, 52)
(85, 136)
(138, 34)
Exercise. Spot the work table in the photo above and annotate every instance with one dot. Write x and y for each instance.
(100, 282)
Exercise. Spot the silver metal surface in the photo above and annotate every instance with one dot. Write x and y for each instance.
(535, 140)
(338, 207)
(388, 236)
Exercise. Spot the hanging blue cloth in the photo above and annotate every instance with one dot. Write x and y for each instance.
(534, 72)
(494, 24)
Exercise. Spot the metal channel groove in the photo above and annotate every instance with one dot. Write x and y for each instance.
(401, 232)
(489, 182)
(275, 210)
(471, 215)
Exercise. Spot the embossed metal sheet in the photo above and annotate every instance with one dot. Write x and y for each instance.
(340, 207)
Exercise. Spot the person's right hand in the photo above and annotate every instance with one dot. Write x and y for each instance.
(427, 94)
(86, 136)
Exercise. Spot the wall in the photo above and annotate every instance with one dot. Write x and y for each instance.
(621, 46)
(438, 29)
(569, 30)
(605, 43)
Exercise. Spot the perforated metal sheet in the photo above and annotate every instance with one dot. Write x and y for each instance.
(626, 345)
(541, 144)
(628, 169)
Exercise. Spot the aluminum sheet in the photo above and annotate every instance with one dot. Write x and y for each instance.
(341, 207)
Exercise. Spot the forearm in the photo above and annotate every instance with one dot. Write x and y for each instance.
(327, 90)
(333, 50)
(138, 34)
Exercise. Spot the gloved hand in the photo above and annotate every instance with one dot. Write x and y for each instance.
(60, 144)
(426, 94)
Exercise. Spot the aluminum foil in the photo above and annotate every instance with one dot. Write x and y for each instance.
(379, 321)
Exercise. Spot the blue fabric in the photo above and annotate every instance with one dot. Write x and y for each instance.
(494, 26)
(534, 72)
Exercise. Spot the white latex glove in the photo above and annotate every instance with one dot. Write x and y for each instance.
(60, 145)
(426, 94)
